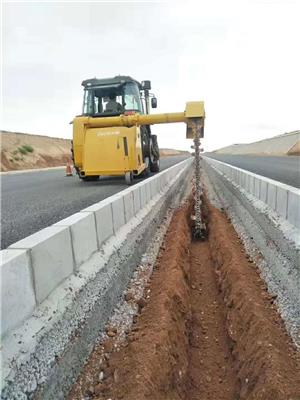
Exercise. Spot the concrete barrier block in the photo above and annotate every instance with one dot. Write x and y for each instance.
(153, 187)
(136, 200)
(17, 292)
(104, 219)
(263, 191)
(148, 191)
(232, 175)
(143, 195)
(251, 185)
(129, 206)
(118, 212)
(172, 173)
(238, 177)
(247, 183)
(51, 257)
(83, 234)
(163, 182)
(166, 180)
(281, 203)
(169, 176)
(293, 212)
(159, 183)
(257, 182)
(272, 194)
(243, 180)
(229, 173)
(235, 175)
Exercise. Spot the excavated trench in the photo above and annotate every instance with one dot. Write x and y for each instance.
(207, 328)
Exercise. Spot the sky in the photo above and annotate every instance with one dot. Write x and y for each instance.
(241, 57)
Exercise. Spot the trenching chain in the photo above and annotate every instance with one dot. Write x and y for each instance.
(199, 228)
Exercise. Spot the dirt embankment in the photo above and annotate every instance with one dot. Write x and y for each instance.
(282, 145)
(210, 330)
(24, 151)
(172, 152)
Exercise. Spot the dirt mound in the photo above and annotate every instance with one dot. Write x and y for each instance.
(209, 330)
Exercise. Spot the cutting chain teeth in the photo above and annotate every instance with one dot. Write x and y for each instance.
(199, 228)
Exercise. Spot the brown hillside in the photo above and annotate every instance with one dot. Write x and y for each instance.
(23, 151)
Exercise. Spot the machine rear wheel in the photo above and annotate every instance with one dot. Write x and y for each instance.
(129, 178)
(154, 154)
(154, 166)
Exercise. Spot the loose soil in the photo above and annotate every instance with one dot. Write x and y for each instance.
(209, 330)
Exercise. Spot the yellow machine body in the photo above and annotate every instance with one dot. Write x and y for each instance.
(108, 150)
(112, 145)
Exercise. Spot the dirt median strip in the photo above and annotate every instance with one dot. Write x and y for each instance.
(209, 330)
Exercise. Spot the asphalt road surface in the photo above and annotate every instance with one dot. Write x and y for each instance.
(283, 169)
(35, 200)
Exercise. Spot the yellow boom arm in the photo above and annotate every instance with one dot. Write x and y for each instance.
(194, 113)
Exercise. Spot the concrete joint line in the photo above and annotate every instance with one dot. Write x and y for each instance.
(287, 205)
(113, 221)
(97, 233)
(32, 276)
(73, 250)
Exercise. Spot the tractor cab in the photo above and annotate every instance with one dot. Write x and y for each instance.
(114, 150)
(116, 96)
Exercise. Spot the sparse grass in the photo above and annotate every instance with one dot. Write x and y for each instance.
(28, 148)
(22, 151)
(11, 160)
(16, 158)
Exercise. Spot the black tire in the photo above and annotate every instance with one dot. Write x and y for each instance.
(91, 178)
(154, 166)
(129, 178)
(154, 154)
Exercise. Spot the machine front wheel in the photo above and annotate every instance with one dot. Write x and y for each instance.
(129, 177)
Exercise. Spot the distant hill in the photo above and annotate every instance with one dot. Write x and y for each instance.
(24, 151)
(286, 144)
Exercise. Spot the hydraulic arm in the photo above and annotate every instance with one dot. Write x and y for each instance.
(194, 113)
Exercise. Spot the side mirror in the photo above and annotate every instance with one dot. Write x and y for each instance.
(146, 85)
(153, 102)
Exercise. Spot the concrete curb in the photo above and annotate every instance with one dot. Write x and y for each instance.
(270, 241)
(283, 199)
(74, 272)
